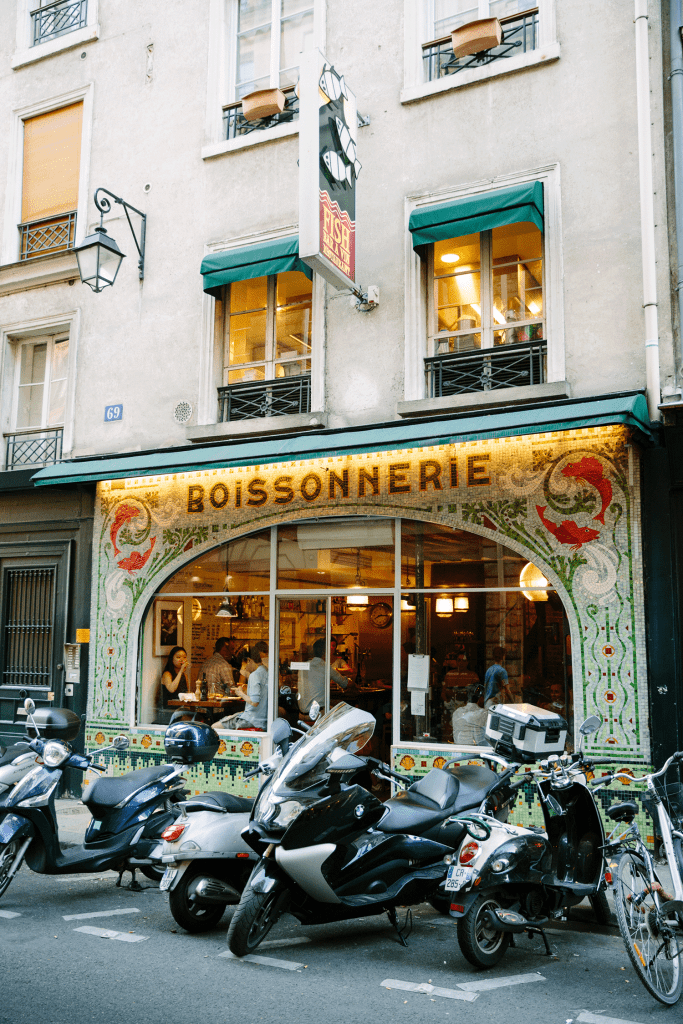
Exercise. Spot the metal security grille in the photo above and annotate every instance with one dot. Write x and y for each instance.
(57, 19)
(520, 35)
(29, 626)
(41, 447)
(282, 397)
(236, 124)
(507, 366)
(41, 238)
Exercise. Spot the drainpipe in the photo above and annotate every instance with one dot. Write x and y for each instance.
(676, 79)
(647, 213)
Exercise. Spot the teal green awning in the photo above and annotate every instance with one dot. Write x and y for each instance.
(513, 205)
(257, 260)
(629, 410)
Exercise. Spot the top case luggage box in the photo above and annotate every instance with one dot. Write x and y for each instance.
(524, 732)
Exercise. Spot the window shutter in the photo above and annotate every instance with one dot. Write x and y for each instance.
(52, 156)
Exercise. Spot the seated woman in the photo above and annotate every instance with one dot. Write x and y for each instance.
(176, 667)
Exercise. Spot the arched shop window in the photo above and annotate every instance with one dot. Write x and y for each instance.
(344, 603)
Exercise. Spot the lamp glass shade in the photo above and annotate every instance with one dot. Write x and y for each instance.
(444, 607)
(226, 610)
(461, 604)
(407, 604)
(357, 599)
(530, 577)
(99, 259)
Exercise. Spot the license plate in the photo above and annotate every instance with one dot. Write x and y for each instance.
(457, 878)
(169, 875)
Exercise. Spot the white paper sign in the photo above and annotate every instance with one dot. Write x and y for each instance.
(299, 666)
(418, 671)
(418, 701)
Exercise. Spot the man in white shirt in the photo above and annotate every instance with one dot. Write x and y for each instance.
(312, 682)
(255, 714)
(469, 721)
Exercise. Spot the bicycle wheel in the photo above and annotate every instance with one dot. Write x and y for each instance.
(650, 941)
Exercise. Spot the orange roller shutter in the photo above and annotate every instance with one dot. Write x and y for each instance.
(52, 157)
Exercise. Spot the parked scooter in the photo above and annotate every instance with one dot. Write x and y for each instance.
(516, 879)
(331, 851)
(129, 812)
(207, 861)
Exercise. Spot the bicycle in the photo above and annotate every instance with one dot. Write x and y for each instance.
(648, 917)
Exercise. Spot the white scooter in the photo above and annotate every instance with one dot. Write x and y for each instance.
(207, 862)
(15, 762)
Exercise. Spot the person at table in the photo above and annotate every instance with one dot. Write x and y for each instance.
(312, 681)
(469, 721)
(255, 696)
(218, 670)
(176, 669)
(496, 688)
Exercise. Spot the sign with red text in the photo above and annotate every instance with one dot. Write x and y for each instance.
(328, 171)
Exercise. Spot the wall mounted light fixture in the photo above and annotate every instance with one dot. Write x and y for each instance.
(98, 255)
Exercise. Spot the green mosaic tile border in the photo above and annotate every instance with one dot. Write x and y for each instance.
(416, 763)
(225, 773)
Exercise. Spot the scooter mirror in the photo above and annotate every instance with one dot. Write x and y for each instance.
(314, 710)
(591, 725)
(120, 742)
(554, 805)
(281, 734)
(29, 706)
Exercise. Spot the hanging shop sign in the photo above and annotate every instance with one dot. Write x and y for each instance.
(328, 171)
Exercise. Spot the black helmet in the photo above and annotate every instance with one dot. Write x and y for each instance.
(191, 742)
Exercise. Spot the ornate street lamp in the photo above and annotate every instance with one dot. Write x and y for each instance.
(98, 255)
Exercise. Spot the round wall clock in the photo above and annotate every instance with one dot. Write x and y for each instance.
(381, 615)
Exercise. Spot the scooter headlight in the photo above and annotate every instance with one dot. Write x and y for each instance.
(289, 810)
(500, 864)
(55, 752)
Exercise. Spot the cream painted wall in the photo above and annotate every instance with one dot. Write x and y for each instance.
(141, 344)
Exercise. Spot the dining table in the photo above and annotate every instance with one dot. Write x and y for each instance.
(213, 709)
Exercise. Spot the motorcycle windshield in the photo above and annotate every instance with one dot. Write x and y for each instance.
(342, 730)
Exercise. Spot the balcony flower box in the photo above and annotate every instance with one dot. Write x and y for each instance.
(476, 36)
(263, 103)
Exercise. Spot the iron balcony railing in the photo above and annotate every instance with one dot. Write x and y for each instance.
(34, 447)
(236, 124)
(58, 19)
(247, 401)
(507, 366)
(43, 237)
(520, 35)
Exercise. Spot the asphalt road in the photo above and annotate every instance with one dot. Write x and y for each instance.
(58, 969)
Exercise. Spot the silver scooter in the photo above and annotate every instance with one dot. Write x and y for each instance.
(207, 862)
(16, 761)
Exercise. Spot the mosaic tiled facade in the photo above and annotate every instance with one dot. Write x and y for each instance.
(567, 501)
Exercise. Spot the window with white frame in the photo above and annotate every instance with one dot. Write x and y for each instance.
(484, 303)
(267, 335)
(519, 24)
(39, 398)
(265, 40)
(45, 27)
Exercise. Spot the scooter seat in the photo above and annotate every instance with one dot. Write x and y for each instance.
(435, 797)
(7, 754)
(103, 794)
(229, 802)
(624, 811)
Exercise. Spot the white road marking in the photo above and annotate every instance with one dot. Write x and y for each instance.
(100, 913)
(272, 943)
(586, 1017)
(9, 913)
(265, 961)
(429, 990)
(106, 933)
(489, 983)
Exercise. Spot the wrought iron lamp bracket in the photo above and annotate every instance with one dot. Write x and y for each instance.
(104, 206)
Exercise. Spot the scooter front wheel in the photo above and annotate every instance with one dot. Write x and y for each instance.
(256, 914)
(481, 943)
(8, 854)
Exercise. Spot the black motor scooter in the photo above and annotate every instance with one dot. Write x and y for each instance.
(516, 879)
(332, 851)
(129, 812)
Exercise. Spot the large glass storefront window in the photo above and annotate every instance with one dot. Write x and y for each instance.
(345, 607)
